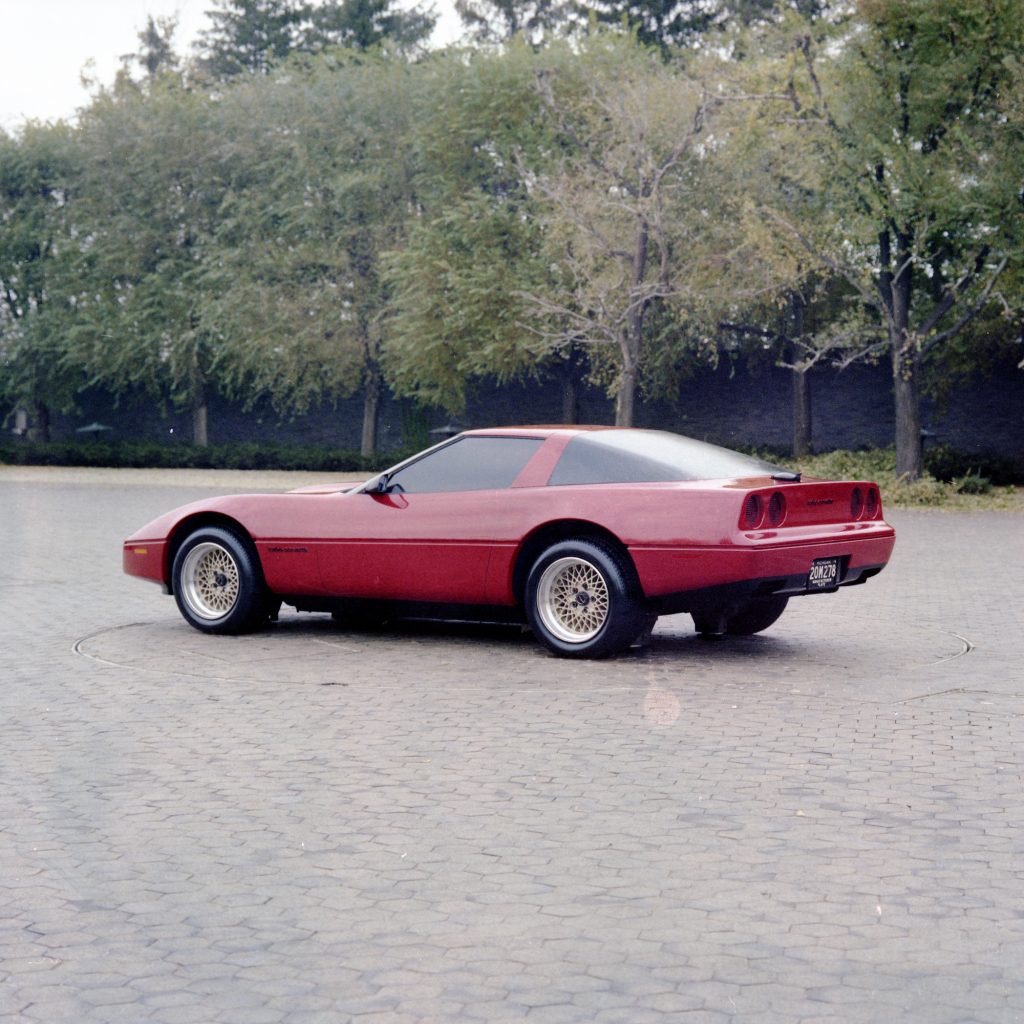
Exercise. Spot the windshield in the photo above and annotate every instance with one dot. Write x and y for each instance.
(650, 456)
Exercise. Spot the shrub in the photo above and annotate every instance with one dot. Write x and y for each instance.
(949, 464)
(971, 484)
(149, 454)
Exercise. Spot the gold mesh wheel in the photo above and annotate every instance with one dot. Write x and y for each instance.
(573, 600)
(209, 581)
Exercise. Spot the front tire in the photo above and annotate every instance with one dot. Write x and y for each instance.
(582, 600)
(218, 584)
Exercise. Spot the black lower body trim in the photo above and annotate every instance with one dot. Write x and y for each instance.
(711, 600)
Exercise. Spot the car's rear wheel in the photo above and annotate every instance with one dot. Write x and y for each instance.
(218, 583)
(753, 617)
(756, 616)
(582, 599)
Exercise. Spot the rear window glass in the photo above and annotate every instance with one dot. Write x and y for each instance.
(649, 456)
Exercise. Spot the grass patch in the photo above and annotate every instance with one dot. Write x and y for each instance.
(969, 492)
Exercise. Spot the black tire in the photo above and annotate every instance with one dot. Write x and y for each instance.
(756, 616)
(218, 583)
(583, 600)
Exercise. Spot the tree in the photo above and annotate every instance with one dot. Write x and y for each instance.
(36, 169)
(364, 24)
(156, 51)
(147, 203)
(899, 138)
(669, 24)
(495, 21)
(474, 246)
(293, 281)
(622, 211)
(768, 298)
(249, 36)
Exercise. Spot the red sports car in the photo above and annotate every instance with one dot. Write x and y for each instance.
(589, 533)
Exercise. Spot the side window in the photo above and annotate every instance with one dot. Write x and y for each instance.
(469, 464)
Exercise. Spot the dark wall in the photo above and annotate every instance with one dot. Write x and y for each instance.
(748, 405)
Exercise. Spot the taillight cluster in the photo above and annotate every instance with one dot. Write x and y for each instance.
(753, 510)
(756, 513)
(864, 505)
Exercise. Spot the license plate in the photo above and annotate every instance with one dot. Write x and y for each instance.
(824, 574)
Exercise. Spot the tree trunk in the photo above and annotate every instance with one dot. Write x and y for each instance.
(200, 425)
(631, 340)
(909, 446)
(801, 383)
(907, 400)
(801, 414)
(42, 426)
(371, 410)
(570, 389)
(626, 397)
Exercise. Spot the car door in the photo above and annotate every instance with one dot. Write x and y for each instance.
(431, 535)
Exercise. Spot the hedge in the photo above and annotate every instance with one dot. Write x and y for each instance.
(137, 454)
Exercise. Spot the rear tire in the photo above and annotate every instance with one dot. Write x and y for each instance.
(753, 617)
(756, 616)
(583, 600)
(218, 583)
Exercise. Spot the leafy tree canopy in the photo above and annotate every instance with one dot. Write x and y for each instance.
(253, 36)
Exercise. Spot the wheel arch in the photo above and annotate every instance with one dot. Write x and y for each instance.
(189, 525)
(542, 537)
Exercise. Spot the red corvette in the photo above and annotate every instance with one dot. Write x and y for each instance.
(589, 533)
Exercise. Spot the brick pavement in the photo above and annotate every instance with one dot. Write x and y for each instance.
(442, 823)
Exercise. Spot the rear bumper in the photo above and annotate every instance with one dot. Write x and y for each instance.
(762, 563)
(730, 597)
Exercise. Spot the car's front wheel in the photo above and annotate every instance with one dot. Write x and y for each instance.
(218, 583)
(582, 599)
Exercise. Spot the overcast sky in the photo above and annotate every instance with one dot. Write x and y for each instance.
(46, 44)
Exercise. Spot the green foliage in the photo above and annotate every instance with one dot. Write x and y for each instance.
(127, 454)
(899, 120)
(347, 212)
(972, 484)
(969, 491)
(249, 36)
(156, 48)
(256, 36)
(146, 203)
(36, 174)
(363, 25)
(495, 21)
(475, 244)
(624, 207)
(947, 464)
(292, 282)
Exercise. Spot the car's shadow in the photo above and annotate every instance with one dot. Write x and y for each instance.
(676, 638)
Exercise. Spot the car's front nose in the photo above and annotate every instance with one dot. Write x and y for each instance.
(145, 559)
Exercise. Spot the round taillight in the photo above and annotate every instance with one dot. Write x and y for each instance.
(776, 509)
(753, 508)
(872, 503)
(856, 503)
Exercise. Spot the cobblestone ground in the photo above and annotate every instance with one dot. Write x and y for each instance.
(443, 823)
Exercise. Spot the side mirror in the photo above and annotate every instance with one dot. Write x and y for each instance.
(377, 484)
